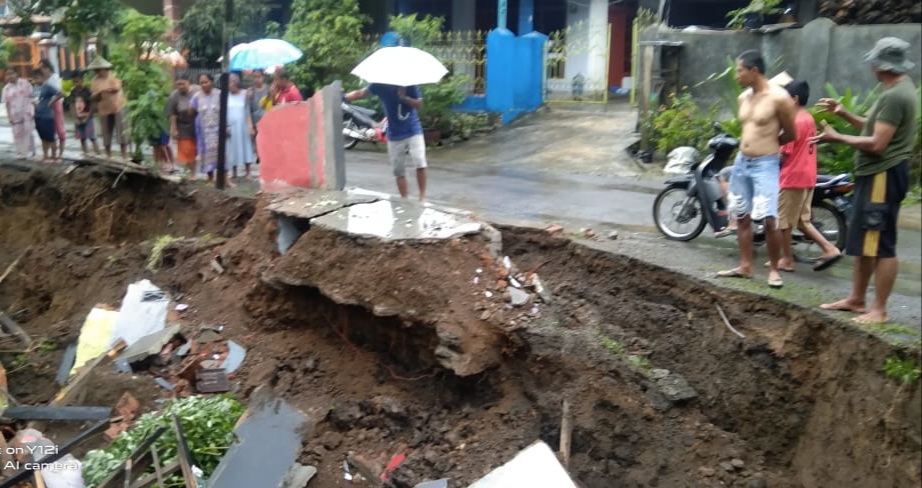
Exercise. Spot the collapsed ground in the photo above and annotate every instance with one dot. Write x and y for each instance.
(800, 401)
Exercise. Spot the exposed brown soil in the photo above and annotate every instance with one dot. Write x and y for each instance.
(348, 330)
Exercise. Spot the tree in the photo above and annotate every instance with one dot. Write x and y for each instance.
(145, 77)
(330, 34)
(203, 28)
(81, 20)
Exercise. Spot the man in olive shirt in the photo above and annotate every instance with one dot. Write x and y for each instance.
(881, 177)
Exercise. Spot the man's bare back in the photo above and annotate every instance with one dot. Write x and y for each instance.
(762, 114)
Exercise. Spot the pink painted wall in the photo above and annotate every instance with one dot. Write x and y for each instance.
(291, 146)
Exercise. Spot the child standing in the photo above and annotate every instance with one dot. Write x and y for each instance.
(81, 102)
(44, 116)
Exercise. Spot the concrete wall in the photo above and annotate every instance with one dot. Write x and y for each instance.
(820, 52)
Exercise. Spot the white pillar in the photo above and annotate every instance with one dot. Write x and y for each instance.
(598, 45)
(464, 20)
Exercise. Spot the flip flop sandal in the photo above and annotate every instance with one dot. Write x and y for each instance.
(725, 233)
(775, 283)
(822, 264)
(786, 270)
(733, 273)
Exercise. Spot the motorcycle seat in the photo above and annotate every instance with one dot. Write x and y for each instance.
(823, 181)
(364, 111)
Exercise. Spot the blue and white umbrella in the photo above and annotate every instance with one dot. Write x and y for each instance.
(262, 54)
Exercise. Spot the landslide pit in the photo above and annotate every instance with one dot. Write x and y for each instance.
(353, 331)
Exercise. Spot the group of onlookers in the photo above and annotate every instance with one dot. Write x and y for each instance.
(40, 108)
(192, 110)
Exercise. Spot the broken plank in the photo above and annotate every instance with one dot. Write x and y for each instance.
(12, 266)
(152, 479)
(185, 457)
(15, 329)
(41, 412)
(74, 389)
(138, 461)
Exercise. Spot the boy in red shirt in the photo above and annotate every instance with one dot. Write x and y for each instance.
(798, 178)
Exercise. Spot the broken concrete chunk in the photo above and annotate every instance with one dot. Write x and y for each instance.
(149, 345)
(676, 389)
(235, 355)
(298, 476)
(518, 297)
(442, 483)
(536, 467)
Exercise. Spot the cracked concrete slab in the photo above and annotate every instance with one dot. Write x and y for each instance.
(390, 220)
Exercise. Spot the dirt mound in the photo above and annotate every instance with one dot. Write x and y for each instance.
(662, 393)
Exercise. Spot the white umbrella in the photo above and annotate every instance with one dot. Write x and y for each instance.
(262, 54)
(400, 66)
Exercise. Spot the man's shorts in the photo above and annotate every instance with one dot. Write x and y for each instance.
(113, 125)
(877, 199)
(86, 130)
(412, 149)
(754, 186)
(45, 128)
(794, 207)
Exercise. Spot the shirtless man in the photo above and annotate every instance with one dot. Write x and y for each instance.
(765, 111)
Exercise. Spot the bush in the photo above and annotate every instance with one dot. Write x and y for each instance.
(680, 123)
(424, 33)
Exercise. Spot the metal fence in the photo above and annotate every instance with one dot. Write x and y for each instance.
(462, 52)
(571, 55)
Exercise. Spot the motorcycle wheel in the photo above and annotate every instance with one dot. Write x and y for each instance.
(670, 203)
(349, 142)
(830, 222)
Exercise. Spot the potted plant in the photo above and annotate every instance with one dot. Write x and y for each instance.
(753, 15)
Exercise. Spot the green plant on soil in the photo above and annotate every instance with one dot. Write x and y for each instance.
(902, 370)
(47, 345)
(207, 422)
(612, 345)
(641, 364)
(156, 253)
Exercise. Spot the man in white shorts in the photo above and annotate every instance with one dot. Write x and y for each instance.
(405, 142)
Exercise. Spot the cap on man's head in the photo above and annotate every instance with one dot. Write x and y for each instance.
(889, 54)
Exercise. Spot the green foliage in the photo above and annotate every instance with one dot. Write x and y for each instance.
(840, 158)
(156, 253)
(330, 34)
(681, 123)
(6, 50)
(763, 7)
(274, 30)
(146, 82)
(423, 33)
(81, 20)
(207, 422)
(901, 370)
(203, 28)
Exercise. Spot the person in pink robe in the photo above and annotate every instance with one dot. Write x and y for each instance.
(17, 95)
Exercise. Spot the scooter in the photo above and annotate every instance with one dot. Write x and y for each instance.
(360, 126)
(694, 200)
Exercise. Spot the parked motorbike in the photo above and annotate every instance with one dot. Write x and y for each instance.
(694, 200)
(359, 126)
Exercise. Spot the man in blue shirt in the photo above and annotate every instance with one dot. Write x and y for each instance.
(405, 141)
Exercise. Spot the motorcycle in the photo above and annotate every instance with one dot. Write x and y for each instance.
(360, 126)
(695, 200)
